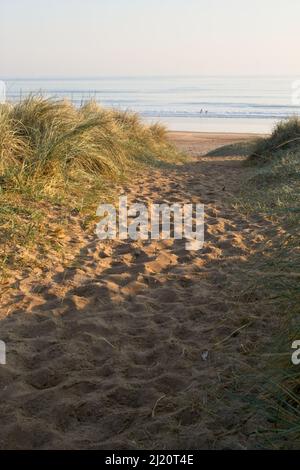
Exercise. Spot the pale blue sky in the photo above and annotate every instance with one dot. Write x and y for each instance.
(149, 37)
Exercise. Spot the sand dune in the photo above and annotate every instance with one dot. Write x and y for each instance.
(118, 350)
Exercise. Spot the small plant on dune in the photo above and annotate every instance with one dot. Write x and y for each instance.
(158, 132)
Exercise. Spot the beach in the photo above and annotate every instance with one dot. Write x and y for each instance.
(149, 230)
(134, 344)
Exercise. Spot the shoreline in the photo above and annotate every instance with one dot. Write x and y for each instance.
(204, 133)
(218, 125)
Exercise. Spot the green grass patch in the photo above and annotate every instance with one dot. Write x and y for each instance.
(273, 190)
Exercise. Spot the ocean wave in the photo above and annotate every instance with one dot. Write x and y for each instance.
(212, 114)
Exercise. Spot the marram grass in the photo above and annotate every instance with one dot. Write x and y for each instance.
(46, 138)
(52, 152)
(285, 136)
(273, 190)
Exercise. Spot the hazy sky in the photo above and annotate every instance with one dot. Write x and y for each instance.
(149, 37)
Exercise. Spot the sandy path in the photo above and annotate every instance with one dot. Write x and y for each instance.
(111, 352)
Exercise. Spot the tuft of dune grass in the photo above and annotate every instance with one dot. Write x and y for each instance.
(53, 152)
(285, 136)
(41, 137)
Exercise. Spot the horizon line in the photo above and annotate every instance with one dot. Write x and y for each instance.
(100, 77)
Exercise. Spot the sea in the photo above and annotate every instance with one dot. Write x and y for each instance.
(191, 103)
